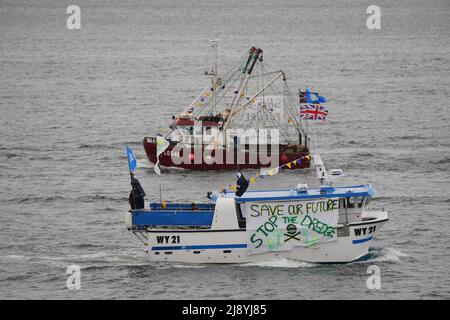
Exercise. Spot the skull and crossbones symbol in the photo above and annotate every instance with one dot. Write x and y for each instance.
(291, 232)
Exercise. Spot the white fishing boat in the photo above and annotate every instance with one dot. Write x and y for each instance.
(323, 224)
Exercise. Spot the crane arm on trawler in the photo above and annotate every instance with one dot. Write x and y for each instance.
(251, 100)
(237, 110)
(293, 114)
(223, 98)
(254, 55)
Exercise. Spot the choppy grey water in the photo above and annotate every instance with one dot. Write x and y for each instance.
(70, 101)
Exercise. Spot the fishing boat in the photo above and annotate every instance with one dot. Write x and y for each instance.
(246, 117)
(322, 224)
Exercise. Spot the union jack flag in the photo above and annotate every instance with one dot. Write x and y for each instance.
(313, 112)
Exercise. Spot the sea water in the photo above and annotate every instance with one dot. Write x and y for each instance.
(71, 100)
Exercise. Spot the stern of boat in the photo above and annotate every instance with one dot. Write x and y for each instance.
(150, 148)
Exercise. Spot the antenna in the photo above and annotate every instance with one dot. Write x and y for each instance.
(214, 45)
(214, 72)
(321, 171)
(315, 139)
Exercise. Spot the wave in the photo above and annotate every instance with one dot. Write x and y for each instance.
(19, 277)
(35, 199)
(412, 137)
(101, 256)
(41, 158)
(89, 245)
(188, 266)
(100, 197)
(145, 164)
(364, 154)
(13, 257)
(93, 261)
(25, 148)
(384, 255)
(117, 145)
(280, 263)
(10, 155)
(96, 197)
(411, 199)
(94, 146)
(442, 161)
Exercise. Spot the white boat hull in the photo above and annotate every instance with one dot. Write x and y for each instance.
(229, 246)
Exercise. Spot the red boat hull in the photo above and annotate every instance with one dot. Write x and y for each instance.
(286, 155)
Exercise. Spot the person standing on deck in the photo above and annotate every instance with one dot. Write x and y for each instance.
(137, 194)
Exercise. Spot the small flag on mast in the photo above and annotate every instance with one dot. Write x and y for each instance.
(161, 145)
(318, 98)
(132, 162)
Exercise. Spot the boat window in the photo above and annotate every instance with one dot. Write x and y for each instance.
(367, 202)
(240, 217)
(351, 202)
(360, 201)
(342, 203)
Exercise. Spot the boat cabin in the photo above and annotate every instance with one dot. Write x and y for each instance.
(226, 212)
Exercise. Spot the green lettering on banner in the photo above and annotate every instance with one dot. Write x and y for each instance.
(295, 209)
(265, 209)
(252, 207)
(288, 220)
(273, 226)
(256, 240)
(273, 220)
(317, 226)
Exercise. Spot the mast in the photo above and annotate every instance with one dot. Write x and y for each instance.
(321, 171)
(254, 55)
(214, 73)
(280, 74)
(236, 90)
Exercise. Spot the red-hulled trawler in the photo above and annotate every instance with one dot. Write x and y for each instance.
(246, 118)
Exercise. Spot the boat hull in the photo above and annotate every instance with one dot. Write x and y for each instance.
(229, 246)
(166, 159)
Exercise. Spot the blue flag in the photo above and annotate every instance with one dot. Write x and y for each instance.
(132, 162)
(318, 98)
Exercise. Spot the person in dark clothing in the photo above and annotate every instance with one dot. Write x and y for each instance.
(138, 193)
(131, 200)
(242, 184)
(302, 96)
